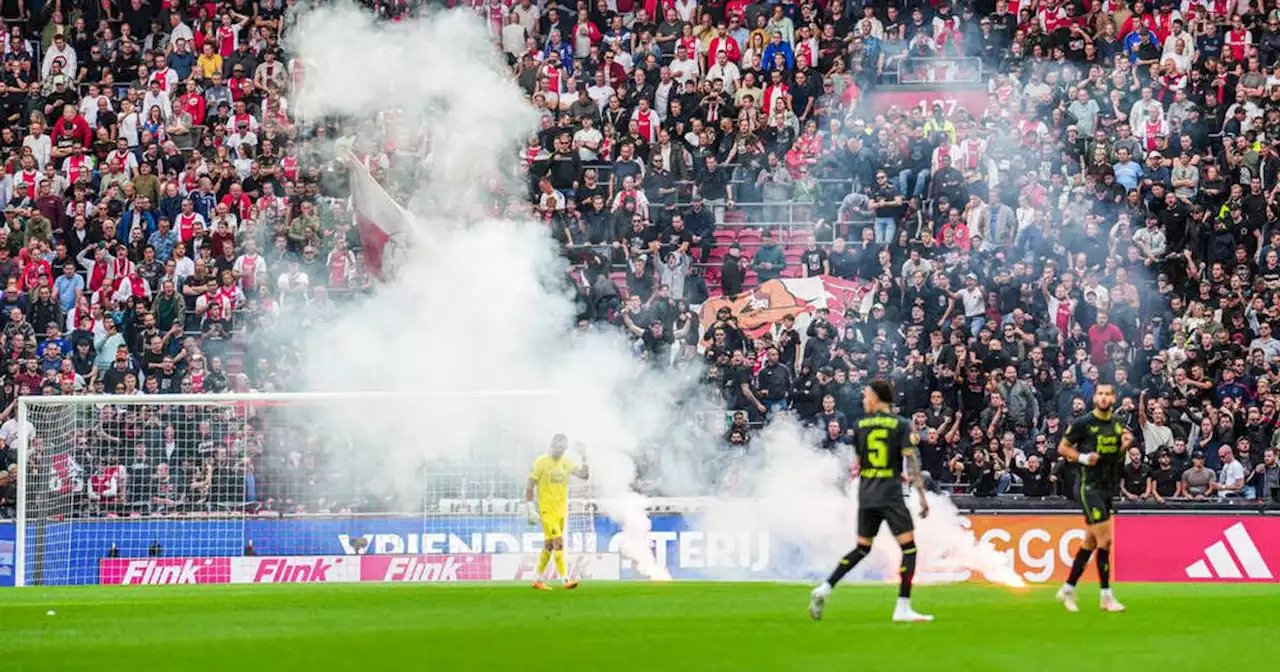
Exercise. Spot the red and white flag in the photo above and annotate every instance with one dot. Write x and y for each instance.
(381, 222)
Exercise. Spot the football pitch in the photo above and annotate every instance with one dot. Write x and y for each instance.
(625, 626)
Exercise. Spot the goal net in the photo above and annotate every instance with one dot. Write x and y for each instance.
(288, 487)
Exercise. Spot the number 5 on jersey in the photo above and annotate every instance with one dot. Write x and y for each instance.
(877, 450)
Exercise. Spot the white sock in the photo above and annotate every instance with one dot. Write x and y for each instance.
(1068, 588)
(904, 603)
(823, 590)
(1106, 593)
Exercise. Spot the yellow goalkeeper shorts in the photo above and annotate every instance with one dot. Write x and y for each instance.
(552, 524)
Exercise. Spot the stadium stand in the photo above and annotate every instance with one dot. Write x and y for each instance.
(1012, 201)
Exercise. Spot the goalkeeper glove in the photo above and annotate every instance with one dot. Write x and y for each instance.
(531, 513)
(1087, 458)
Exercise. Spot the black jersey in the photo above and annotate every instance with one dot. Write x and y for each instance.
(1092, 434)
(880, 440)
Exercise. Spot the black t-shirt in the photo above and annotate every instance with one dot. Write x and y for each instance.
(1135, 478)
(880, 440)
(981, 478)
(734, 378)
(1036, 483)
(639, 240)
(673, 239)
(93, 70)
(886, 192)
(812, 260)
(1166, 481)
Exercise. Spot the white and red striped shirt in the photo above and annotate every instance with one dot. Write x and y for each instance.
(289, 166)
(648, 122)
(774, 94)
(27, 177)
(1237, 40)
(228, 40)
(187, 225)
(71, 165)
(969, 156)
(250, 267)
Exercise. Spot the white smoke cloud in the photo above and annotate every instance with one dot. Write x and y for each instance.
(479, 305)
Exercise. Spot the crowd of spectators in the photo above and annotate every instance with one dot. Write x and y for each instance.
(1106, 218)
(163, 210)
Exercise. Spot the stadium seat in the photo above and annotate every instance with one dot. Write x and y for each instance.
(725, 236)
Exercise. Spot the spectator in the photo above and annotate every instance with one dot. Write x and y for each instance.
(1230, 481)
(768, 261)
(1135, 485)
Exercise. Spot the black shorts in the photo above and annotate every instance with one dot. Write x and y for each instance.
(896, 515)
(1096, 505)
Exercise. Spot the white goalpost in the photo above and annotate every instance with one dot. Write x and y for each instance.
(289, 487)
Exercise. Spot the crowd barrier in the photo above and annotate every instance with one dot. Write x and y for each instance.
(1160, 547)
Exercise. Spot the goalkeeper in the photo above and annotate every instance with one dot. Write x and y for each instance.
(550, 476)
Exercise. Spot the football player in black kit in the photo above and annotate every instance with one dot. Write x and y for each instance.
(1097, 443)
(883, 441)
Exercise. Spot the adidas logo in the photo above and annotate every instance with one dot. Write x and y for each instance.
(1222, 566)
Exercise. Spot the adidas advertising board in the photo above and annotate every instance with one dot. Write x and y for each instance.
(1213, 549)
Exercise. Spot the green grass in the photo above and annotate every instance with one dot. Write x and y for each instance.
(625, 626)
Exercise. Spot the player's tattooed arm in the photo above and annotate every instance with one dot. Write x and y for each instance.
(912, 456)
(913, 469)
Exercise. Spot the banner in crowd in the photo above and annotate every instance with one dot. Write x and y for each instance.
(759, 309)
(973, 100)
(438, 568)
(383, 225)
(1210, 549)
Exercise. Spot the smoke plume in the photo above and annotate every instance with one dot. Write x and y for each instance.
(480, 305)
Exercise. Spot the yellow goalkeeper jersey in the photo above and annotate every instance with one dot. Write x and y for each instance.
(552, 478)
